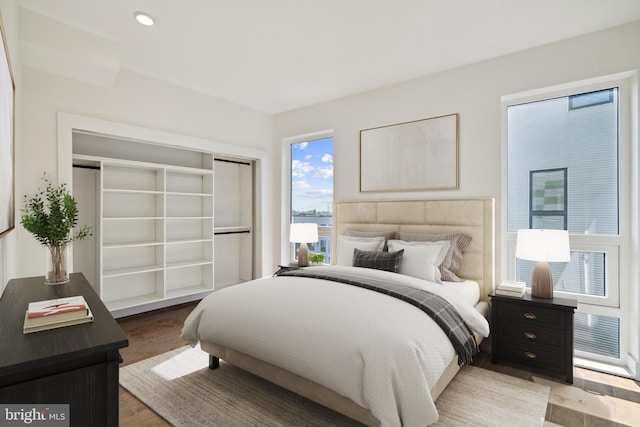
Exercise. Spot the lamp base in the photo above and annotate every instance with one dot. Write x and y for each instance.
(541, 281)
(303, 255)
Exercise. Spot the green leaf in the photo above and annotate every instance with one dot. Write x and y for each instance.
(51, 214)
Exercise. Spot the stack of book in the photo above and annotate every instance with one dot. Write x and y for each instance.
(56, 313)
(511, 288)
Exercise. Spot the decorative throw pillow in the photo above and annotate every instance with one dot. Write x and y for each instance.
(421, 259)
(346, 245)
(387, 261)
(388, 235)
(451, 264)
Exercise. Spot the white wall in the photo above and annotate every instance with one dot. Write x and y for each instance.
(134, 100)
(475, 93)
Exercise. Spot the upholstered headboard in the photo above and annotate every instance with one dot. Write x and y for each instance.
(472, 216)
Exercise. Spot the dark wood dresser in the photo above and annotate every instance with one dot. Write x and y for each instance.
(534, 332)
(75, 365)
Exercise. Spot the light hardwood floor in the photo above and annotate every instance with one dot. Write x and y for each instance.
(594, 400)
(149, 334)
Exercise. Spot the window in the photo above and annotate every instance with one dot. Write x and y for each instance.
(311, 190)
(590, 99)
(565, 160)
(563, 174)
(597, 334)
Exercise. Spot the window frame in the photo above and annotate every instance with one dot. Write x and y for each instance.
(619, 267)
(287, 249)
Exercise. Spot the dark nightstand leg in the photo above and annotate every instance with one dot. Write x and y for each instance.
(495, 324)
(214, 362)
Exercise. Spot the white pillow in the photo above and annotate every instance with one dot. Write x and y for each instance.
(421, 259)
(346, 245)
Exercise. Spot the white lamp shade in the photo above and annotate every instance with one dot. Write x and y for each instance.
(303, 233)
(543, 245)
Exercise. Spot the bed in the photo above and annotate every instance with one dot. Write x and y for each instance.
(326, 340)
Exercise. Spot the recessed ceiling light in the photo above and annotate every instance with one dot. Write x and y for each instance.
(144, 18)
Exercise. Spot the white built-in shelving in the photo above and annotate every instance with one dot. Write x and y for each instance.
(156, 231)
(173, 214)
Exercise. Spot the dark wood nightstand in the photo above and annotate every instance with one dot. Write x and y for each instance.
(75, 365)
(534, 332)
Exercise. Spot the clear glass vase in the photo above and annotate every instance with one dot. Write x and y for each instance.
(57, 265)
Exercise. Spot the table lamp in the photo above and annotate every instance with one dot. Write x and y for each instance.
(543, 246)
(303, 233)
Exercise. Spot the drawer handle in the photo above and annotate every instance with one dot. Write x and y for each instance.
(530, 335)
(529, 316)
(530, 355)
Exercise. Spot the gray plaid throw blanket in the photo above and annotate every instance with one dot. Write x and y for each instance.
(443, 313)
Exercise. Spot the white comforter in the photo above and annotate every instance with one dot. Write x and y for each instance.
(382, 353)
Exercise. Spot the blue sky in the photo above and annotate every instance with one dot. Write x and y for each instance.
(312, 175)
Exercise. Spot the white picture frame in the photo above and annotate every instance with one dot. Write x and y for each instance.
(410, 156)
(7, 143)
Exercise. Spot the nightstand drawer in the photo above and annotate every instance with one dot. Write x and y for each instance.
(534, 357)
(532, 335)
(530, 315)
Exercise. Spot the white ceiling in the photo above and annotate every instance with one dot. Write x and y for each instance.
(278, 55)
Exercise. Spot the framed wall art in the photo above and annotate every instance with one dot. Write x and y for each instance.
(7, 144)
(417, 155)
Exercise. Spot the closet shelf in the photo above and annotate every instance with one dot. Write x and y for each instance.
(189, 263)
(130, 244)
(188, 290)
(188, 217)
(130, 218)
(131, 191)
(131, 270)
(118, 304)
(184, 193)
(195, 240)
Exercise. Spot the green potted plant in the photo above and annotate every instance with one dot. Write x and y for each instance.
(316, 258)
(50, 215)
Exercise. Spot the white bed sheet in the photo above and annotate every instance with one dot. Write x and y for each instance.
(468, 290)
(380, 352)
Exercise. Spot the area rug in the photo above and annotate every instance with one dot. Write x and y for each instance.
(179, 386)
